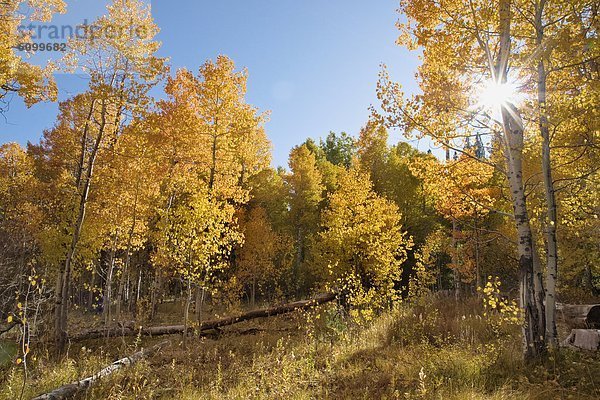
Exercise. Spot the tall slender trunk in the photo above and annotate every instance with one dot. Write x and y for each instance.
(127, 298)
(477, 262)
(63, 281)
(123, 279)
(156, 293)
(455, 260)
(125, 272)
(60, 334)
(551, 241)
(533, 328)
(200, 295)
(186, 310)
(138, 288)
(530, 282)
(198, 304)
(90, 300)
(106, 302)
(298, 260)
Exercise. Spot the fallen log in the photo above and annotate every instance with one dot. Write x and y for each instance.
(70, 390)
(129, 330)
(586, 339)
(580, 315)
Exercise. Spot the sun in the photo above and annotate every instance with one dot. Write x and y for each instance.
(493, 95)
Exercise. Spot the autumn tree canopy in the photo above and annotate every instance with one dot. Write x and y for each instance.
(155, 188)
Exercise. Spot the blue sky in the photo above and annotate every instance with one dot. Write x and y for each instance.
(312, 63)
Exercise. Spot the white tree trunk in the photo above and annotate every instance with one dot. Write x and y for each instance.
(530, 284)
(551, 241)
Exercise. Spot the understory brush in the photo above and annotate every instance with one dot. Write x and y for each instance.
(433, 348)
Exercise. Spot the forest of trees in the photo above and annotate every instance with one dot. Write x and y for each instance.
(129, 201)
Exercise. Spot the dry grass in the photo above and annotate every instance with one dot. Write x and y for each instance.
(435, 350)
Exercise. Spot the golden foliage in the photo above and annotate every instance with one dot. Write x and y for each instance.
(362, 239)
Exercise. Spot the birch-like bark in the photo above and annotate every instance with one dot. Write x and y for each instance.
(123, 280)
(551, 240)
(63, 281)
(71, 390)
(125, 272)
(200, 295)
(533, 328)
(156, 293)
(455, 259)
(109, 278)
(533, 335)
(478, 283)
(186, 311)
